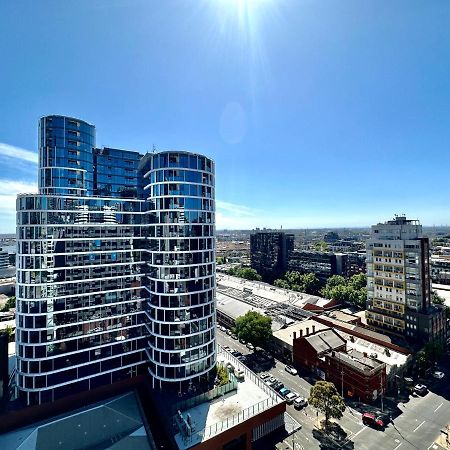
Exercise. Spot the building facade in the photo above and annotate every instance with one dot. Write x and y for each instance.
(104, 266)
(398, 283)
(270, 252)
(180, 259)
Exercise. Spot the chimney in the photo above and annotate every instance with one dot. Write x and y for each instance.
(295, 335)
(313, 329)
(301, 333)
(307, 331)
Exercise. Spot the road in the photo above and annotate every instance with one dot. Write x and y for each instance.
(417, 426)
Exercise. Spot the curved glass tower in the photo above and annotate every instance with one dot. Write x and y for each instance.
(66, 156)
(115, 267)
(181, 268)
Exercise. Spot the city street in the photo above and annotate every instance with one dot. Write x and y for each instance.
(417, 425)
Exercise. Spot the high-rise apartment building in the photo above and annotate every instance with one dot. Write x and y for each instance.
(398, 282)
(269, 252)
(115, 266)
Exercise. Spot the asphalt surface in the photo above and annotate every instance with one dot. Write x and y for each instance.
(416, 424)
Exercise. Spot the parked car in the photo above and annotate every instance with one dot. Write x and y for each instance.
(438, 374)
(291, 370)
(283, 392)
(239, 374)
(291, 397)
(228, 332)
(420, 389)
(264, 375)
(278, 386)
(372, 420)
(233, 336)
(227, 348)
(270, 380)
(300, 402)
(250, 346)
(242, 341)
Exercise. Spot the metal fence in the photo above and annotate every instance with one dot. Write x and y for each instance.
(206, 396)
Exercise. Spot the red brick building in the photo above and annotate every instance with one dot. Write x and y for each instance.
(354, 374)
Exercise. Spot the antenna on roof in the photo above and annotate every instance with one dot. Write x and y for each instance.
(154, 149)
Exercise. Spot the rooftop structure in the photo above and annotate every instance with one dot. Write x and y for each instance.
(248, 401)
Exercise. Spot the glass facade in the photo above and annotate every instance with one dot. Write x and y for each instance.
(112, 277)
(66, 156)
(181, 267)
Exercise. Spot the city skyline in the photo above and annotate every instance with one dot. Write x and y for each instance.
(289, 99)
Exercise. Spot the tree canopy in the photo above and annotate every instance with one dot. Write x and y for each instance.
(296, 281)
(326, 399)
(347, 290)
(10, 303)
(245, 272)
(255, 328)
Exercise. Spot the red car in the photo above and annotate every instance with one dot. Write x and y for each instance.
(372, 420)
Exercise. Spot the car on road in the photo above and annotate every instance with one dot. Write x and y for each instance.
(291, 370)
(291, 397)
(372, 420)
(250, 346)
(420, 389)
(438, 374)
(300, 402)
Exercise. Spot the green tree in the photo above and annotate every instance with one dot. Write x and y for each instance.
(326, 399)
(335, 280)
(9, 330)
(321, 246)
(358, 281)
(310, 283)
(437, 299)
(281, 283)
(10, 303)
(249, 274)
(255, 328)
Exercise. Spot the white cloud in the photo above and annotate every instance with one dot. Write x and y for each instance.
(8, 194)
(234, 209)
(18, 153)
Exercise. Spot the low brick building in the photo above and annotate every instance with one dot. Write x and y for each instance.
(354, 374)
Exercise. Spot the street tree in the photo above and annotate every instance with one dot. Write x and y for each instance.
(326, 399)
(255, 328)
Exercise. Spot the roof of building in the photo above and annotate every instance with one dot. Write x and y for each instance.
(325, 340)
(97, 426)
(343, 316)
(267, 294)
(212, 417)
(305, 327)
(234, 308)
(357, 361)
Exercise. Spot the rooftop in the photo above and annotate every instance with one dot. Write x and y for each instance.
(210, 418)
(305, 327)
(325, 340)
(116, 423)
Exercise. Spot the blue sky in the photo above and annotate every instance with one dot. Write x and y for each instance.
(318, 113)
